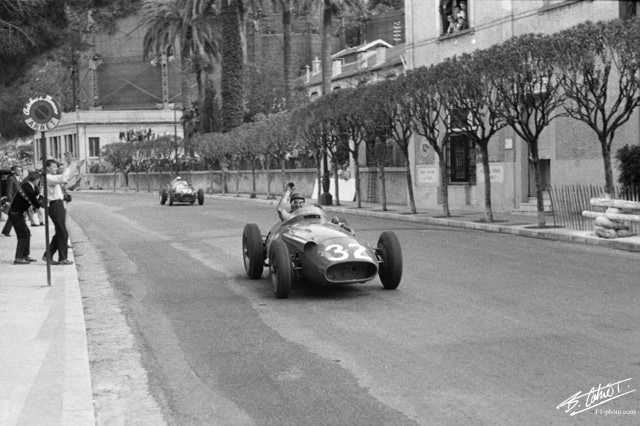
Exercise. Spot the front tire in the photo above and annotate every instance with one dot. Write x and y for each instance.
(252, 251)
(390, 270)
(201, 196)
(163, 196)
(280, 267)
(171, 197)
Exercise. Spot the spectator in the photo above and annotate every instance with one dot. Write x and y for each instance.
(452, 25)
(26, 198)
(446, 9)
(461, 17)
(57, 212)
(13, 184)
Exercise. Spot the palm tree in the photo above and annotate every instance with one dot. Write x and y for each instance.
(233, 59)
(330, 9)
(13, 32)
(189, 23)
(287, 7)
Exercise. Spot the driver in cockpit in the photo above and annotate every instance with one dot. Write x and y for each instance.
(295, 200)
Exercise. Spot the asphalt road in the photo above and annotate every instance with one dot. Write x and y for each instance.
(484, 328)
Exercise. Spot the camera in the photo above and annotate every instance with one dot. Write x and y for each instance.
(67, 198)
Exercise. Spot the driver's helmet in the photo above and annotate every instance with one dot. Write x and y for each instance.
(296, 200)
(178, 178)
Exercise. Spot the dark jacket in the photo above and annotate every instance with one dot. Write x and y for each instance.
(12, 186)
(20, 204)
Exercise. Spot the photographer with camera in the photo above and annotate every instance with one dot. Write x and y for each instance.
(57, 212)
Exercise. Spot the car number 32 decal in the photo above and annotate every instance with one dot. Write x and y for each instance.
(337, 252)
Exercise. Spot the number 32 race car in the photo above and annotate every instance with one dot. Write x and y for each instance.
(313, 248)
(181, 191)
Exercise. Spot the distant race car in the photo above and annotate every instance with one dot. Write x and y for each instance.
(181, 191)
(314, 248)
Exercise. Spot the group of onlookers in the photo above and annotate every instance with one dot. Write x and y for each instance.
(454, 16)
(25, 200)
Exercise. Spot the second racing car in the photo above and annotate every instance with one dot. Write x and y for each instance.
(181, 191)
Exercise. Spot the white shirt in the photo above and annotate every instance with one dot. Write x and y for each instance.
(54, 190)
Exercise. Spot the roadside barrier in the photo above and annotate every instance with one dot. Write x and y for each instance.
(614, 221)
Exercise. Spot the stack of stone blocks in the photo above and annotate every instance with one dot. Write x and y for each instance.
(613, 222)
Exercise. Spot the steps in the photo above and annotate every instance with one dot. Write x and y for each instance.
(530, 208)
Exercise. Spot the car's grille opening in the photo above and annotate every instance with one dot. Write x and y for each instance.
(351, 272)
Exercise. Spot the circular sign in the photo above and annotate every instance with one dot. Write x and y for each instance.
(43, 113)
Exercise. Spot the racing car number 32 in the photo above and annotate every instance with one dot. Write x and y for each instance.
(338, 252)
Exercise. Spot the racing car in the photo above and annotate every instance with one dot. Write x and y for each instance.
(314, 248)
(181, 191)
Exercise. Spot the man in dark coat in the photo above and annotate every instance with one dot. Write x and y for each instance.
(26, 197)
(13, 183)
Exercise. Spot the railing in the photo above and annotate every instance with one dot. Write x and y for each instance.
(569, 201)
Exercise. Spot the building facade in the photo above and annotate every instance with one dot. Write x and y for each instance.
(569, 150)
(84, 133)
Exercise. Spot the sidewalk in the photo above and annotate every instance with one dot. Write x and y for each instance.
(44, 363)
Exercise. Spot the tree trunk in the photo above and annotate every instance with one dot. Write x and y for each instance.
(412, 200)
(253, 177)
(319, 174)
(484, 151)
(232, 67)
(336, 180)
(533, 150)
(268, 168)
(286, 50)
(283, 175)
(238, 181)
(326, 49)
(356, 172)
(444, 185)
(384, 188)
(608, 171)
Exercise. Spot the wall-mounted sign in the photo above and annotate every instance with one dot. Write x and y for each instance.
(42, 113)
(496, 171)
(427, 174)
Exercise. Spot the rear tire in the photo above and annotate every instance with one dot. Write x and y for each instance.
(390, 270)
(252, 251)
(171, 196)
(163, 196)
(281, 270)
(201, 196)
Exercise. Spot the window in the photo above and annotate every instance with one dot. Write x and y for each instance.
(71, 145)
(454, 16)
(56, 148)
(461, 160)
(94, 147)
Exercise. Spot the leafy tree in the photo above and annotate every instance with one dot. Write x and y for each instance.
(430, 114)
(393, 100)
(629, 166)
(523, 74)
(352, 110)
(119, 156)
(475, 104)
(309, 129)
(279, 133)
(592, 59)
